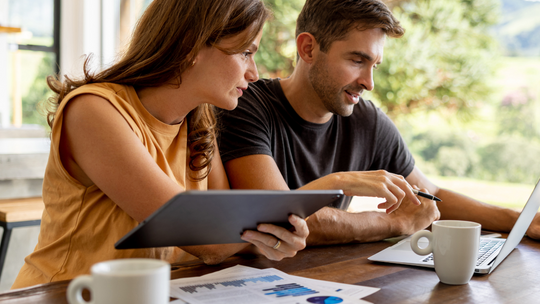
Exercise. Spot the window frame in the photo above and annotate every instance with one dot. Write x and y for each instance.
(55, 48)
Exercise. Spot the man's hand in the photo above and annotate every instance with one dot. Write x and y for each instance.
(393, 187)
(412, 218)
(277, 242)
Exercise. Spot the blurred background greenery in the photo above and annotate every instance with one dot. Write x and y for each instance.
(462, 85)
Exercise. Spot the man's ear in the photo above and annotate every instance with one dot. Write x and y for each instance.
(306, 45)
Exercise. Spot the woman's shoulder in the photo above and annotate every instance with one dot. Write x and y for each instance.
(100, 89)
(96, 97)
(119, 96)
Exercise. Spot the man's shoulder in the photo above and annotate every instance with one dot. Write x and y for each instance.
(263, 95)
(261, 101)
(263, 83)
(366, 109)
(368, 105)
(263, 88)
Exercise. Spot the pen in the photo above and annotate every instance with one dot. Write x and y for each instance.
(423, 194)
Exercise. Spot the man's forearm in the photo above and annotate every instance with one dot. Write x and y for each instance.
(332, 226)
(455, 206)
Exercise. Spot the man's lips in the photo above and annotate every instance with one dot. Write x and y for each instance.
(241, 90)
(353, 94)
(354, 97)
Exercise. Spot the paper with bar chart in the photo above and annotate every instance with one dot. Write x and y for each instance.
(241, 284)
(354, 291)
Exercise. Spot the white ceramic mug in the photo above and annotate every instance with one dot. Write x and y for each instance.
(454, 245)
(123, 281)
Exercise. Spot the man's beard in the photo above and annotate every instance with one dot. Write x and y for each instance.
(329, 92)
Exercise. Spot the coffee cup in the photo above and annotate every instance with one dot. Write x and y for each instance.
(123, 281)
(454, 245)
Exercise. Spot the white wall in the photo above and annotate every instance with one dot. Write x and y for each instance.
(110, 31)
(88, 27)
(80, 33)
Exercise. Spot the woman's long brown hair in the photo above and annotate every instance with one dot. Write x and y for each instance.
(166, 40)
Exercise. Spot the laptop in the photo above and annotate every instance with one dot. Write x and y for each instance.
(492, 251)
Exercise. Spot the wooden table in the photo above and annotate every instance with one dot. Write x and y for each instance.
(516, 280)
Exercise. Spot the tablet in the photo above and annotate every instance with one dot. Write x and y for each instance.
(220, 216)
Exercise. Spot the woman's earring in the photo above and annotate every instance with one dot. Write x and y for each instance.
(193, 63)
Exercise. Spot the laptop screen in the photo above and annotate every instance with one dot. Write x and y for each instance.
(520, 227)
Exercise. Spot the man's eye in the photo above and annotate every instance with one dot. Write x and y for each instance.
(375, 67)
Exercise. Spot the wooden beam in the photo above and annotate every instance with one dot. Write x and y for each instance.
(8, 29)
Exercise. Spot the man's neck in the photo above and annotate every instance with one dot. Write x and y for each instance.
(302, 97)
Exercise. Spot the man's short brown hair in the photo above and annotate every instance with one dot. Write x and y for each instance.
(331, 20)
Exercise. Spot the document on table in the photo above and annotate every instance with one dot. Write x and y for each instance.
(242, 284)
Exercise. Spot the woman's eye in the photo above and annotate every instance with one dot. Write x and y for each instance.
(247, 53)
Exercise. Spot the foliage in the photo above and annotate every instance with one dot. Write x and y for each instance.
(510, 159)
(452, 161)
(444, 60)
(517, 115)
(453, 153)
(39, 92)
(450, 153)
(277, 51)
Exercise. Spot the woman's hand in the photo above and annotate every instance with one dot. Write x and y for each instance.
(277, 242)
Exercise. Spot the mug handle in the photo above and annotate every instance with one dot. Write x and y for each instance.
(75, 288)
(414, 242)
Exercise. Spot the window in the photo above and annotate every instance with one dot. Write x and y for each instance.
(29, 53)
(30, 47)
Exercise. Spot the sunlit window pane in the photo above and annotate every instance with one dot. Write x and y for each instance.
(35, 18)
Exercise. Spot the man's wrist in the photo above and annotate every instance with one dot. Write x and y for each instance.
(378, 226)
(339, 181)
(396, 225)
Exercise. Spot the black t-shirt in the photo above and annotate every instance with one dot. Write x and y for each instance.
(265, 123)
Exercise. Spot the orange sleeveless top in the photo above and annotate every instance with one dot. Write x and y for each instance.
(80, 225)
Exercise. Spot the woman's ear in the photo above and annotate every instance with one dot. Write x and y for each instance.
(306, 45)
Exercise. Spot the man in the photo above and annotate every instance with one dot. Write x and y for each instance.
(314, 131)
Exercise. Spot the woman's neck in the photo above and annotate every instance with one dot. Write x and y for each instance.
(167, 103)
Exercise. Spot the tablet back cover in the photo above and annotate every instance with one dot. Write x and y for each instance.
(220, 217)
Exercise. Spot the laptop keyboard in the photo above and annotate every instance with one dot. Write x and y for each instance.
(486, 248)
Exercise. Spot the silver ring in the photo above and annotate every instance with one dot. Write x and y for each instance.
(276, 246)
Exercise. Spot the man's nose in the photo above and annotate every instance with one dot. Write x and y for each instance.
(365, 79)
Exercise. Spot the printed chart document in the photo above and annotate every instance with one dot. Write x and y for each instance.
(244, 285)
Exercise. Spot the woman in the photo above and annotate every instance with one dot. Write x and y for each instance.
(126, 140)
